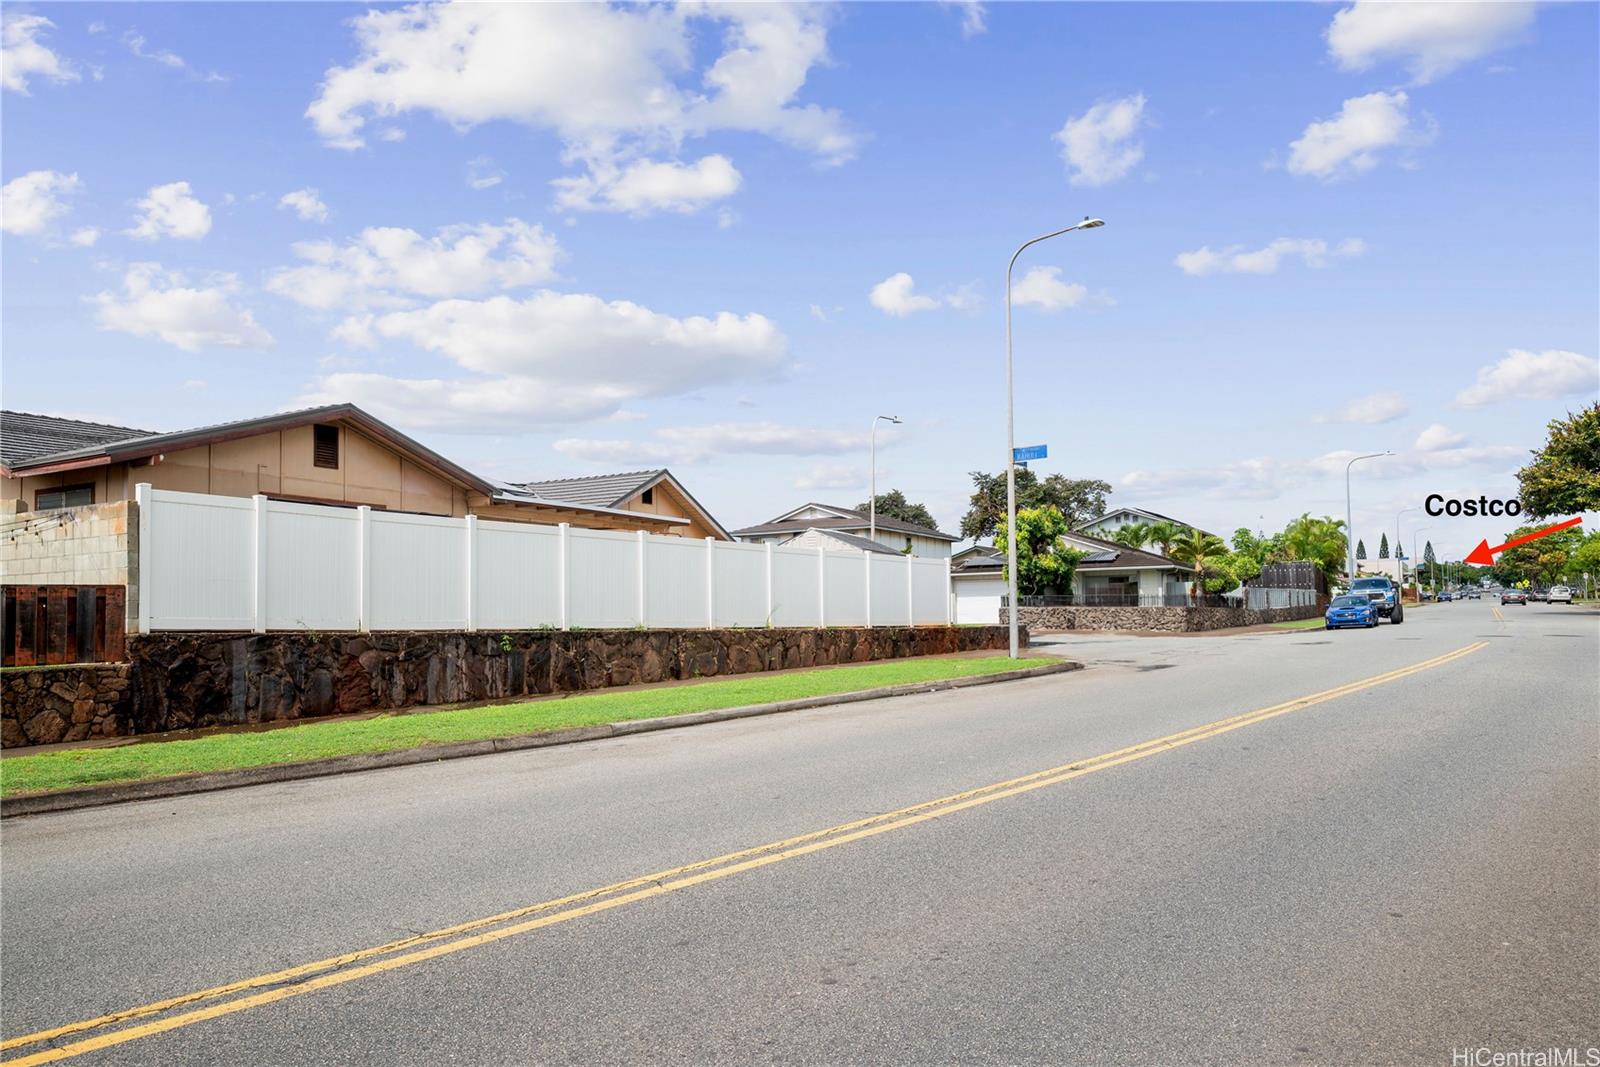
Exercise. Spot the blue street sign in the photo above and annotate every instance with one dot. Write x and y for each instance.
(1027, 452)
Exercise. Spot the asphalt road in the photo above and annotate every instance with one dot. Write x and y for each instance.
(1389, 873)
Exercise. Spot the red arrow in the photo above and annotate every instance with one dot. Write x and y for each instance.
(1483, 555)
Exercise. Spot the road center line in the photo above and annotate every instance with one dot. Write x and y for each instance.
(337, 970)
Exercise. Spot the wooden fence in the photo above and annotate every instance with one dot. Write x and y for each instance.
(48, 624)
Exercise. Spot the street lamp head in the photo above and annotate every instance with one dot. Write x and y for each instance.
(891, 418)
(1089, 224)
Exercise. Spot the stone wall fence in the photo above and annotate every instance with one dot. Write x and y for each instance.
(1157, 620)
(184, 681)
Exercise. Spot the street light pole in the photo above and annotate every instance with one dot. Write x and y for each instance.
(872, 501)
(1349, 522)
(1011, 436)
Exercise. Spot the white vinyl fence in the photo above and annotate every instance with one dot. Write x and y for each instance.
(226, 563)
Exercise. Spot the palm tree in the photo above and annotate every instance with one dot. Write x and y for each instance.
(1321, 541)
(1197, 549)
(1164, 535)
(1134, 534)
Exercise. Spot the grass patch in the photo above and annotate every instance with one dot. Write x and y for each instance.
(72, 768)
(1299, 624)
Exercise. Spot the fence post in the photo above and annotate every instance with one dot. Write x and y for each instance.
(911, 590)
(949, 594)
(768, 546)
(711, 583)
(822, 586)
(142, 496)
(258, 579)
(364, 569)
(563, 585)
(472, 573)
(866, 574)
(640, 535)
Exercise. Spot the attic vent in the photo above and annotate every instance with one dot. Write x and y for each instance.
(325, 447)
(648, 496)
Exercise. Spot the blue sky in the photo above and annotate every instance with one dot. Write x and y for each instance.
(554, 240)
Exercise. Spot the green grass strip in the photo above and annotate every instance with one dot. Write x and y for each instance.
(1299, 624)
(385, 733)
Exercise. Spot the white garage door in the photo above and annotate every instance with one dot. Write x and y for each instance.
(979, 600)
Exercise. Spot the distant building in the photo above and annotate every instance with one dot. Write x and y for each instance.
(894, 534)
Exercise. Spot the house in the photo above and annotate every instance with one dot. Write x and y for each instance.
(655, 493)
(894, 534)
(335, 454)
(1109, 574)
(1108, 524)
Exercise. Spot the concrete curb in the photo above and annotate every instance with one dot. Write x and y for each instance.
(98, 796)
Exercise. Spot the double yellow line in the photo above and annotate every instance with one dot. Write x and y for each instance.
(267, 989)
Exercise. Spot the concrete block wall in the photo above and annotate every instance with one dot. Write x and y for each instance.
(97, 544)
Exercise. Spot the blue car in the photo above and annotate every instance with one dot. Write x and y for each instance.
(1350, 611)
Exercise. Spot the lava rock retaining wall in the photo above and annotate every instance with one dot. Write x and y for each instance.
(182, 681)
(1159, 620)
(45, 705)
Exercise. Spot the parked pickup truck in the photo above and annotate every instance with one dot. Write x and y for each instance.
(1384, 596)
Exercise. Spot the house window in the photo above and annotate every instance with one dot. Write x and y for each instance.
(648, 496)
(325, 446)
(68, 496)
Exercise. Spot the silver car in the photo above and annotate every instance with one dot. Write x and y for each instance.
(1560, 595)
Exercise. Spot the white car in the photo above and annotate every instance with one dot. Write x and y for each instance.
(1560, 594)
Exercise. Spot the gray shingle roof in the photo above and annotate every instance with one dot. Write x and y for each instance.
(859, 523)
(25, 436)
(599, 490)
(857, 542)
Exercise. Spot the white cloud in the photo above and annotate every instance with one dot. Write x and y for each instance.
(681, 445)
(28, 204)
(23, 56)
(171, 211)
(85, 237)
(896, 295)
(1235, 260)
(832, 476)
(390, 266)
(1369, 410)
(1351, 142)
(160, 303)
(645, 186)
(1524, 375)
(974, 17)
(555, 357)
(617, 84)
(305, 203)
(483, 174)
(1099, 145)
(1266, 478)
(1432, 39)
(1042, 287)
(138, 46)
(1438, 437)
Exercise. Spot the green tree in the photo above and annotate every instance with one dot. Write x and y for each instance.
(1383, 547)
(1165, 534)
(1079, 500)
(1428, 558)
(1321, 541)
(1585, 558)
(894, 505)
(1200, 550)
(1225, 573)
(1044, 562)
(1134, 535)
(1543, 561)
(1361, 549)
(1257, 547)
(1564, 477)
